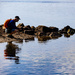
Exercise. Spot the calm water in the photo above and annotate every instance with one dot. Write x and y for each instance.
(50, 57)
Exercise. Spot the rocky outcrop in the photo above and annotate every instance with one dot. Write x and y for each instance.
(43, 33)
(67, 30)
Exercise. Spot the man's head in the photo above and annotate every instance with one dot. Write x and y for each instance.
(17, 18)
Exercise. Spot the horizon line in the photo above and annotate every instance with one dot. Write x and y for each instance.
(41, 1)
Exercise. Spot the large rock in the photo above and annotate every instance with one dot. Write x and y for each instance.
(42, 29)
(32, 28)
(21, 25)
(27, 27)
(45, 29)
(29, 32)
(2, 29)
(40, 34)
(53, 29)
(67, 30)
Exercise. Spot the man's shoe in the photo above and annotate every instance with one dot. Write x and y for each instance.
(10, 36)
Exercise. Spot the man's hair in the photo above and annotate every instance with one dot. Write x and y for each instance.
(17, 17)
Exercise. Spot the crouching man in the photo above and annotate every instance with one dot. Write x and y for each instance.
(10, 26)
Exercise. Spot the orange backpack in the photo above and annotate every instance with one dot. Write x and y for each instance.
(6, 23)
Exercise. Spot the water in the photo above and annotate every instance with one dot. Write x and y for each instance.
(50, 57)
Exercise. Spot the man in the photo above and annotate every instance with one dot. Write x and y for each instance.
(11, 26)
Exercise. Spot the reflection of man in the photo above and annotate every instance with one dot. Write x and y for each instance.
(10, 52)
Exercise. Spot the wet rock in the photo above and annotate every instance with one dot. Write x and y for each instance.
(21, 25)
(40, 34)
(2, 30)
(53, 29)
(67, 29)
(27, 27)
(42, 28)
(29, 39)
(30, 32)
(55, 35)
(33, 28)
(67, 35)
(43, 38)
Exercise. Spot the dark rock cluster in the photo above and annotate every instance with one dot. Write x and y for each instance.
(41, 32)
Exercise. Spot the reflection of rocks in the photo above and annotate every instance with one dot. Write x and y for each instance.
(43, 38)
(28, 31)
(66, 35)
(29, 39)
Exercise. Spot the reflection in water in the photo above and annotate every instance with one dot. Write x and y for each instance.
(67, 35)
(29, 39)
(11, 51)
(45, 38)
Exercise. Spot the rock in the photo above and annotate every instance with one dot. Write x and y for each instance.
(53, 29)
(27, 27)
(41, 28)
(32, 27)
(67, 35)
(55, 35)
(21, 25)
(67, 29)
(44, 31)
(30, 32)
(2, 30)
(40, 34)
(29, 39)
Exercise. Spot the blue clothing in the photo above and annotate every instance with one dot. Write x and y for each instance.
(12, 25)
